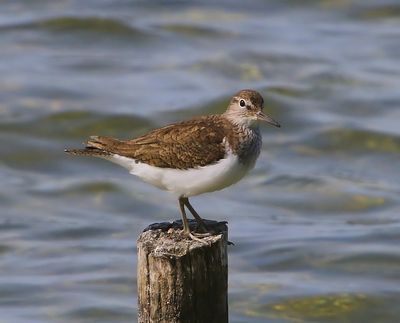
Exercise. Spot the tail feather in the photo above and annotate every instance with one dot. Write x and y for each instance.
(96, 146)
(88, 151)
(102, 143)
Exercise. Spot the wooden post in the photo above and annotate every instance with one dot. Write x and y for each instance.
(181, 280)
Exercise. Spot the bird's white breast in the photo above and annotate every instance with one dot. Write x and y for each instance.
(189, 182)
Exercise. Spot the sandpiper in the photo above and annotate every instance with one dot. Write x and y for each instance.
(192, 157)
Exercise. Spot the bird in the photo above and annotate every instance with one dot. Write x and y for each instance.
(188, 158)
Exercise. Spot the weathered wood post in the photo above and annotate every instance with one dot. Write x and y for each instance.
(180, 280)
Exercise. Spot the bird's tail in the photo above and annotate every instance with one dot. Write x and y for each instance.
(87, 152)
(96, 146)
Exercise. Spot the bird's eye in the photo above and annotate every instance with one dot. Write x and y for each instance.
(242, 103)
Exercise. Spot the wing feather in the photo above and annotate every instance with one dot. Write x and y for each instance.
(189, 144)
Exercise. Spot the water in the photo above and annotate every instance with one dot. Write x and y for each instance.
(316, 224)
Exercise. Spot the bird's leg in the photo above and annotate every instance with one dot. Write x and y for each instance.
(200, 223)
(185, 223)
(186, 228)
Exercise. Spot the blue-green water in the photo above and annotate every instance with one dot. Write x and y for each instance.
(316, 224)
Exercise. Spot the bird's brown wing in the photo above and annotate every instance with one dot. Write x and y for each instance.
(184, 145)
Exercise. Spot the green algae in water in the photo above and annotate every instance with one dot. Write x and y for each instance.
(93, 24)
(94, 188)
(245, 71)
(189, 30)
(361, 202)
(365, 140)
(27, 159)
(290, 91)
(382, 12)
(80, 125)
(340, 308)
(351, 140)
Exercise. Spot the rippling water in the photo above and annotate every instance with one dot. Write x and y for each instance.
(316, 224)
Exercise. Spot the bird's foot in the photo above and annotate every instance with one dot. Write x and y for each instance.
(195, 236)
(205, 232)
(202, 234)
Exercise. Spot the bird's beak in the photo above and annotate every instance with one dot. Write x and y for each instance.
(261, 116)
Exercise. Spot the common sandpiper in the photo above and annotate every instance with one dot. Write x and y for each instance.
(201, 155)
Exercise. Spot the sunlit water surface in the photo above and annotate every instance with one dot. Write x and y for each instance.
(316, 224)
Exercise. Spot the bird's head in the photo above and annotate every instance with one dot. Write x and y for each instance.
(246, 108)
